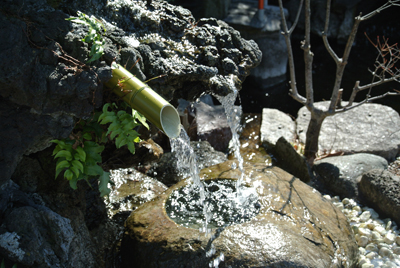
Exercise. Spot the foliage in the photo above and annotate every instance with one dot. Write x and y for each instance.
(122, 126)
(79, 156)
(94, 36)
(3, 265)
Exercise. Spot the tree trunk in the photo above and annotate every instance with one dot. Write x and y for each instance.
(312, 135)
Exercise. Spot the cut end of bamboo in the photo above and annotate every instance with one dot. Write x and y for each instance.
(170, 121)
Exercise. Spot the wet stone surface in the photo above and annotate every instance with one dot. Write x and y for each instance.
(296, 227)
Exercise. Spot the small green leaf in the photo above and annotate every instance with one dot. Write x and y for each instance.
(107, 119)
(131, 147)
(80, 154)
(75, 170)
(77, 164)
(68, 174)
(140, 117)
(87, 136)
(73, 182)
(104, 179)
(64, 153)
(94, 170)
(62, 165)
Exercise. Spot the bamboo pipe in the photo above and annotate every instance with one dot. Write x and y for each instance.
(146, 101)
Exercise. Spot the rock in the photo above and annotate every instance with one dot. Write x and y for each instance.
(131, 189)
(166, 169)
(276, 124)
(42, 90)
(296, 226)
(370, 128)
(210, 124)
(289, 160)
(341, 174)
(379, 189)
(61, 227)
(265, 30)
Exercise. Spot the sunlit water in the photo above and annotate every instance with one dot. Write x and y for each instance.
(218, 203)
(183, 207)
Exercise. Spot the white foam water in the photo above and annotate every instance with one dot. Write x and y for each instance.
(233, 117)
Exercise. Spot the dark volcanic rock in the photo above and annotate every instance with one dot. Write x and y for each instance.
(46, 86)
(380, 190)
(42, 89)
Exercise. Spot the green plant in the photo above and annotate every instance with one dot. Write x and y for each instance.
(79, 156)
(93, 36)
(3, 265)
(122, 126)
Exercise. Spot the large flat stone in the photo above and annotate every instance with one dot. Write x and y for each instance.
(276, 124)
(370, 128)
(340, 174)
(296, 227)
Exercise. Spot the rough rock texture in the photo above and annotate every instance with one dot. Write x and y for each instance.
(42, 90)
(370, 128)
(380, 190)
(131, 189)
(44, 223)
(210, 124)
(296, 227)
(166, 169)
(45, 87)
(276, 124)
(266, 32)
(340, 174)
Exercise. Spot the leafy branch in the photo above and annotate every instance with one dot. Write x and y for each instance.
(93, 36)
(79, 156)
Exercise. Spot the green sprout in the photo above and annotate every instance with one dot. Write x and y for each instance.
(93, 36)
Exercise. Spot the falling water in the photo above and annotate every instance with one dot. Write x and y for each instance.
(233, 118)
(187, 159)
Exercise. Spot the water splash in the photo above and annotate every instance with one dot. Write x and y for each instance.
(187, 159)
(233, 118)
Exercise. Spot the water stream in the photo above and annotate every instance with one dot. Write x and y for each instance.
(237, 203)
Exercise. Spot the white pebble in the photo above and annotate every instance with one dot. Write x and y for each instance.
(336, 198)
(327, 197)
(363, 241)
(363, 260)
(357, 208)
(388, 225)
(396, 250)
(365, 216)
(339, 205)
(389, 238)
(362, 251)
(380, 230)
(364, 231)
(385, 252)
(375, 236)
(367, 265)
(371, 247)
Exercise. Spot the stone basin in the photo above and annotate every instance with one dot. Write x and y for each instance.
(295, 227)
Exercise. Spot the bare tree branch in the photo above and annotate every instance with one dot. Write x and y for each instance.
(325, 32)
(297, 17)
(308, 57)
(388, 4)
(287, 34)
(367, 100)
